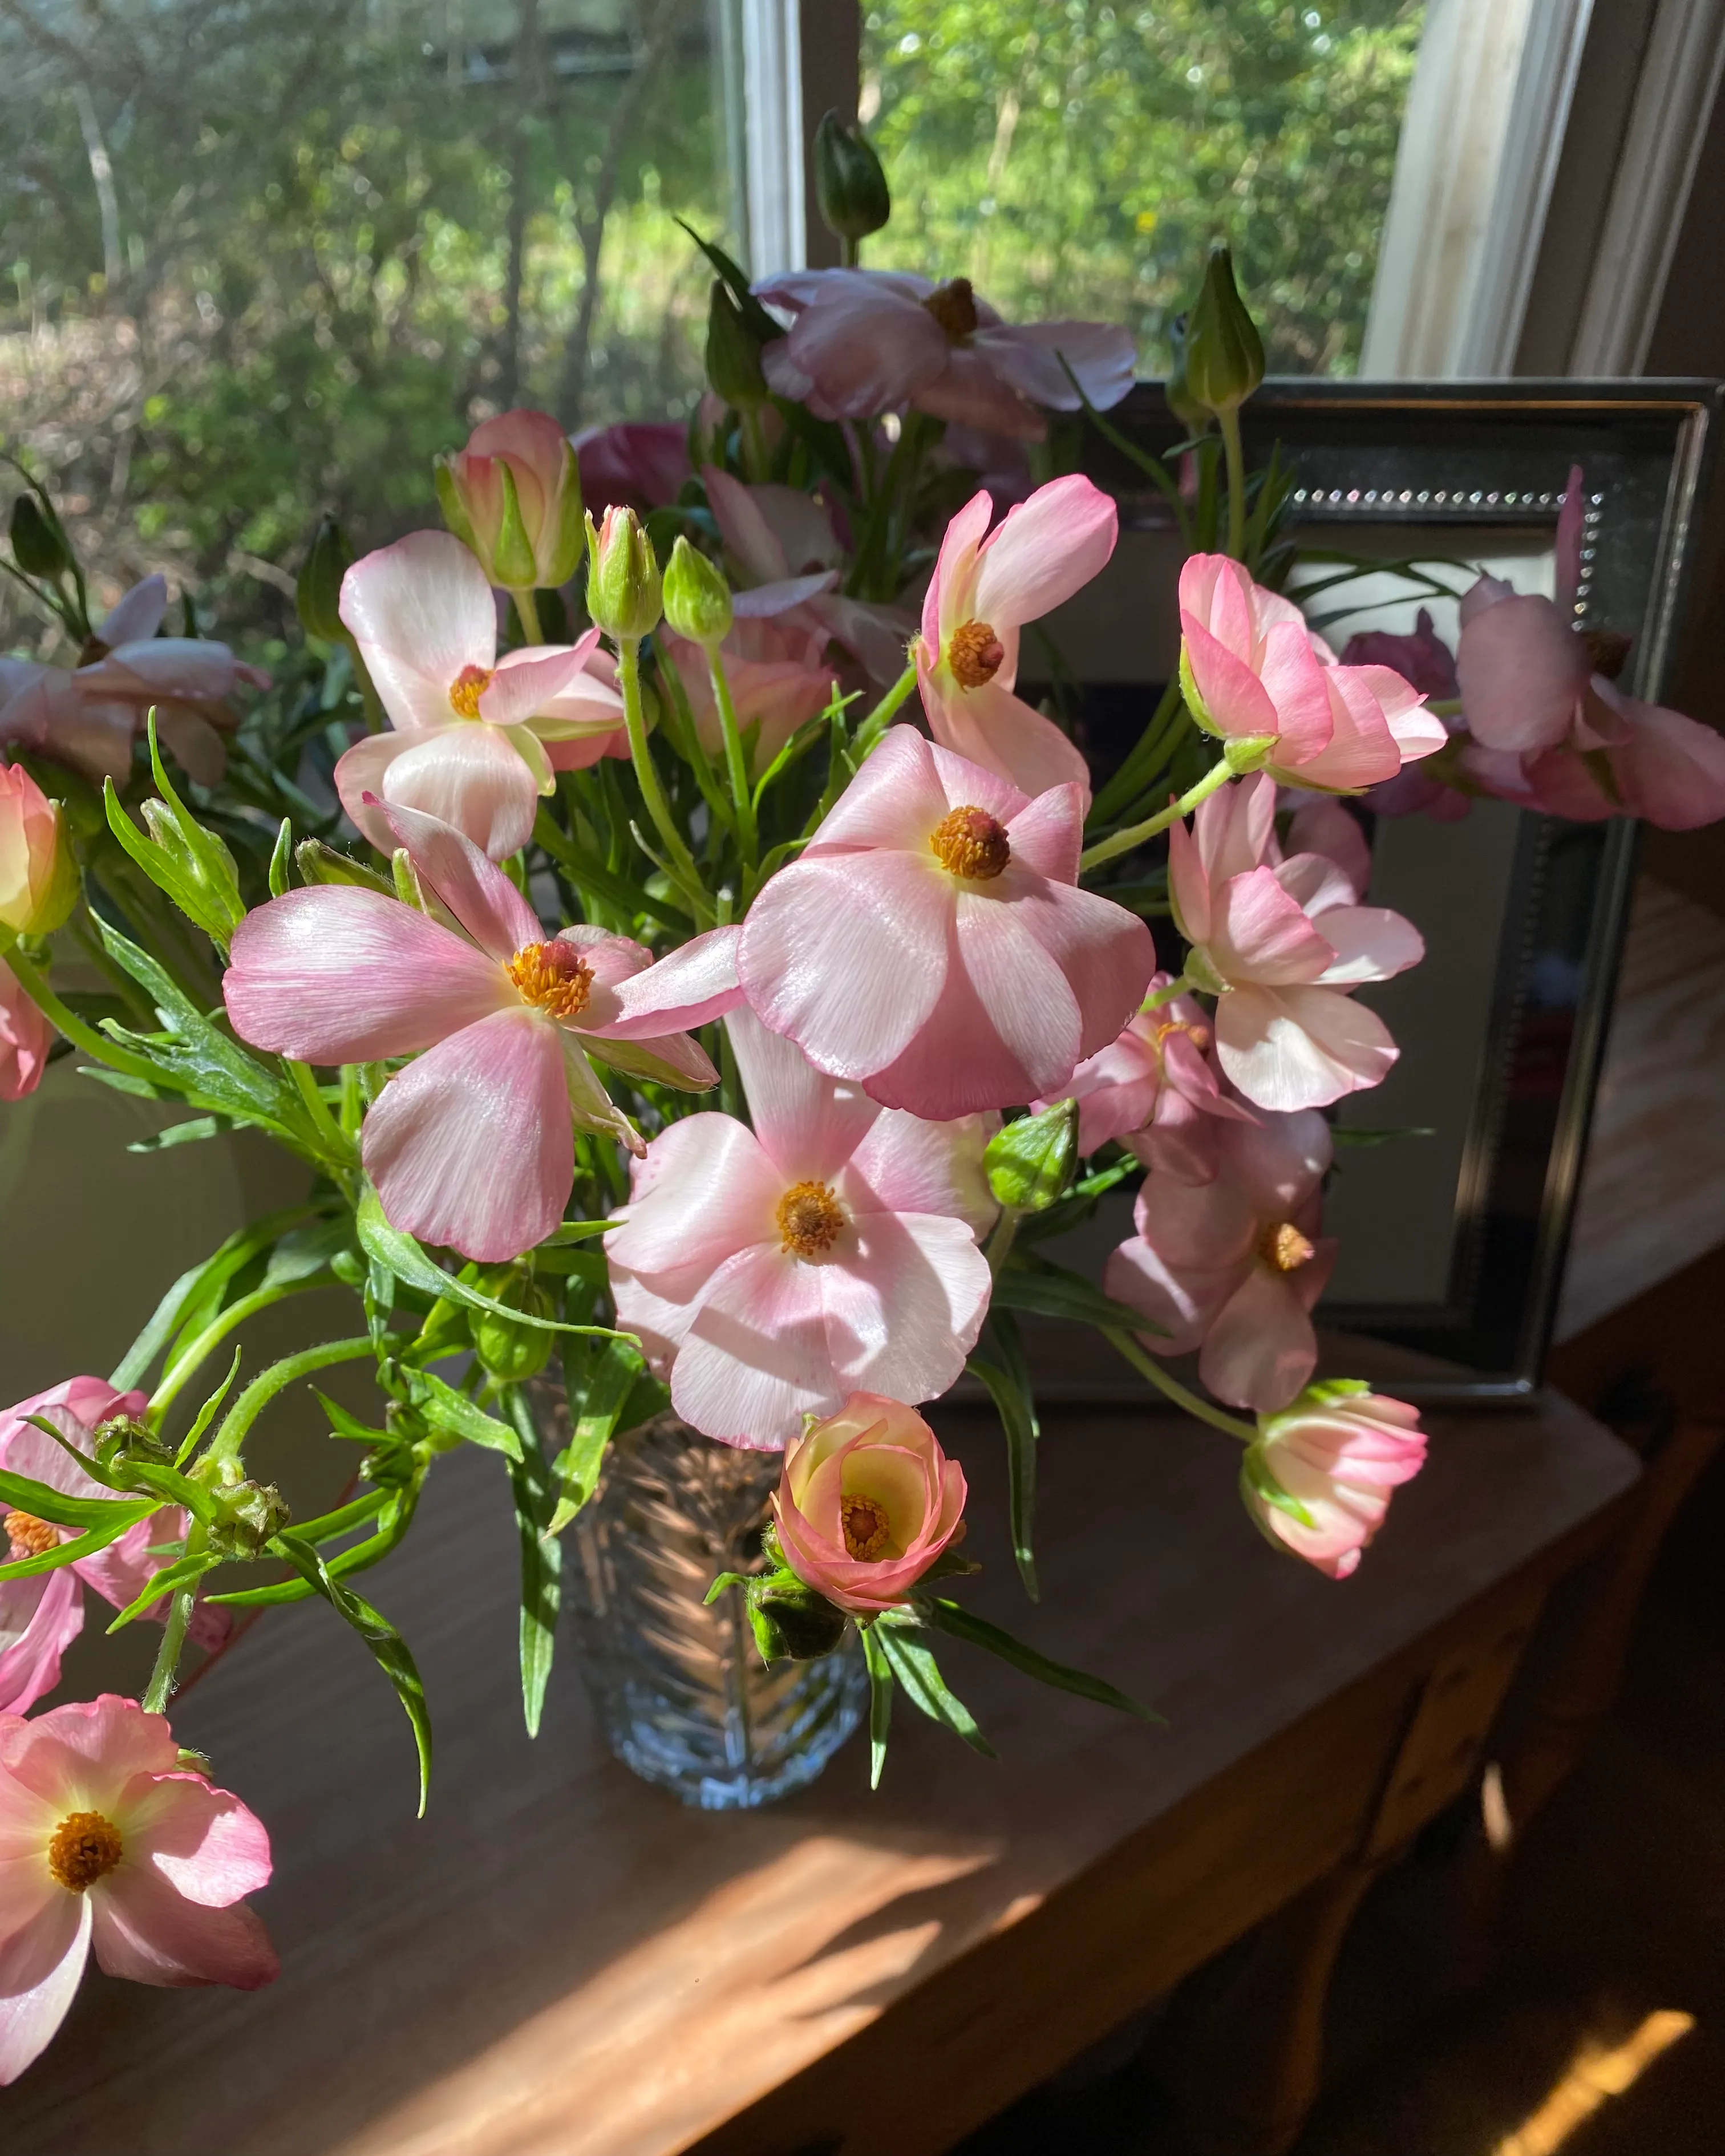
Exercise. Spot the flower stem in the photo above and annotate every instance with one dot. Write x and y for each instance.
(68, 1022)
(527, 607)
(878, 720)
(339, 1144)
(735, 768)
(1135, 834)
(1146, 1366)
(1235, 455)
(1179, 986)
(173, 1633)
(263, 1388)
(682, 869)
(187, 1364)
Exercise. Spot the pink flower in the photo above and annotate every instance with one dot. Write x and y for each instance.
(866, 340)
(1318, 1476)
(866, 1503)
(86, 718)
(1425, 659)
(986, 586)
(1252, 671)
(477, 738)
(109, 1840)
(831, 1249)
(25, 1039)
(1281, 945)
(1233, 1267)
(931, 944)
(639, 465)
(526, 454)
(1154, 1089)
(471, 1146)
(39, 875)
(777, 679)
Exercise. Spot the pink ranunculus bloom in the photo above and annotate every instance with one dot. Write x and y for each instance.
(787, 557)
(868, 340)
(25, 1039)
(1155, 1089)
(472, 1145)
(986, 586)
(1281, 945)
(1318, 1477)
(778, 678)
(86, 718)
(539, 460)
(866, 1503)
(38, 873)
(832, 1249)
(638, 463)
(476, 739)
(932, 945)
(41, 1612)
(106, 1840)
(1253, 670)
(1233, 1267)
(1422, 657)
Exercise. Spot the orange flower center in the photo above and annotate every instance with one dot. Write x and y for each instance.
(28, 1536)
(969, 842)
(553, 978)
(953, 306)
(810, 1218)
(469, 685)
(867, 1531)
(1198, 1036)
(86, 1848)
(974, 654)
(1282, 1247)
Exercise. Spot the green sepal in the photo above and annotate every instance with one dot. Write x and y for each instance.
(1030, 1162)
(512, 564)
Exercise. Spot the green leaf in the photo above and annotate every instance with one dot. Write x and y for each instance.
(1050, 1290)
(1008, 1384)
(911, 1661)
(203, 856)
(401, 1256)
(598, 1397)
(388, 1649)
(176, 1134)
(395, 1519)
(19, 1494)
(737, 283)
(207, 1413)
(168, 875)
(303, 1253)
(577, 1231)
(80, 1546)
(445, 1408)
(542, 1563)
(281, 857)
(156, 1334)
(879, 1702)
(184, 1572)
(344, 1425)
(964, 1625)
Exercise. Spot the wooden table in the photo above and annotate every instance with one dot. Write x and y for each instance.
(561, 1960)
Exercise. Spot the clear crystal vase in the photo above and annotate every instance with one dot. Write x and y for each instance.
(678, 1688)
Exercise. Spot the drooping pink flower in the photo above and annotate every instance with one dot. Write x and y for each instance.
(638, 463)
(866, 1503)
(1426, 660)
(931, 943)
(39, 875)
(1318, 1477)
(1253, 670)
(1154, 1089)
(476, 739)
(1234, 1266)
(527, 454)
(25, 1039)
(1281, 945)
(986, 586)
(86, 718)
(776, 676)
(107, 1840)
(864, 341)
(471, 1146)
(831, 1249)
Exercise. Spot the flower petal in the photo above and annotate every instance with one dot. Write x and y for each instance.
(1301, 1047)
(145, 1931)
(1522, 670)
(808, 1124)
(1371, 944)
(1259, 934)
(1261, 1348)
(419, 611)
(1044, 550)
(528, 682)
(907, 1164)
(755, 1359)
(205, 1843)
(687, 987)
(1103, 355)
(39, 1619)
(41, 1966)
(904, 1310)
(896, 800)
(475, 778)
(474, 889)
(992, 727)
(706, 1190)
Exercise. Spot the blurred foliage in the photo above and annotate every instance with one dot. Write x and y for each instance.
(1073, 159)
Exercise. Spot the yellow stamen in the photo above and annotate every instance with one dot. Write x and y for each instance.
(28, 1536)
(1282, 1246)
(866, 1530)
(953, 306)
(969, 842)
(469, 685)
(975, 654)
(810, 1218)
(553, 978)
(1198, 1036)
(86, 1848)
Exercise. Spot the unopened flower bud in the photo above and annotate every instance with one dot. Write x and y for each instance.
(317, 595)
(789, 1620)
(38, 873)
(203, 859)
(1029, 1162)
(129, 1437)
(508, 1350)
(1225, 354)
(38, 541)
(318, 862)
(513, 495)
(849, 186)
(1195, 418)
(251, 1512)
(623, 584)
(733, 353)
(697, 599)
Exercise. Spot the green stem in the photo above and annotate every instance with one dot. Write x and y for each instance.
(850, 252)
(684, 872)
(1135, 834)
(878, 720)
(263, 1388)
(1146, 1366)
(1179, 986)
(173, 1633)
(1145, 756)
(1236, 456)
(69, 1023)
(527, 607)
(736, 770)
(1000, 1243)
(339, 1144)
(186, 1364)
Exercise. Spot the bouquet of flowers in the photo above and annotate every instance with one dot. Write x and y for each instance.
(686, 966)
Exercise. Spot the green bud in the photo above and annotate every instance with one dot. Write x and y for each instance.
(128, 1437)
(508, 1351)
(1195, 418)
(849, 186)
(250, 1513)
(318, 862)
(697, 599)
(733, 353)
(1031, 1162)
(317, 595)
(1225, 354)
(203, 859)
(623, 580)
(790, 1620)
(39, 539)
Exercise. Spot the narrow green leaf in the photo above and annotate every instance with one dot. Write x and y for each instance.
(401, 1256)
(20, 1493)
(598, 1398)
(964, 1625)
(156, 1334)
(80, 1546)
(178, 1134)
(207, 1413)
(281, 857)
(1049, 1291)
(184, 1572)
(302, 1253)
(542, 1563)
(880, 1703)
(445, 1408)
(912, 1662)
(394, 1521)
(1009, 1384)
(344, 1425)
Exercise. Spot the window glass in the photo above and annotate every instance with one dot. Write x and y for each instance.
(1078, 159)
(266, 259)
